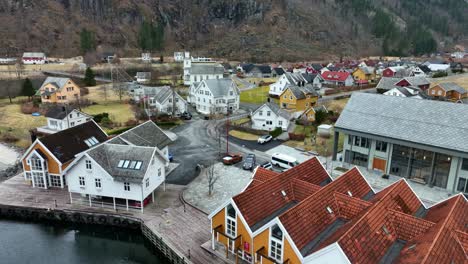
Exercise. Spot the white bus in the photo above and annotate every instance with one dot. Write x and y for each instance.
(283, 161)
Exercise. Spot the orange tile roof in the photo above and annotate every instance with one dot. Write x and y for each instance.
(309, 218)
(392, 225)
(447, 240)
(368, 238)
(260, 176)
(303, 189)
(251, 202)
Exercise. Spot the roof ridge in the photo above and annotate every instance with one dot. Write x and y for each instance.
(442, 227)
(392, 187)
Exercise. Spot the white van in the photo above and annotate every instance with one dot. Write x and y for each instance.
(283, 161)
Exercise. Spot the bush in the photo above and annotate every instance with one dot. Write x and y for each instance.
(439, 74)
(297, 137)
(8, 138)
(278, 131)
(98, 118)
(84, 91)
(105, 121)
(29, 108)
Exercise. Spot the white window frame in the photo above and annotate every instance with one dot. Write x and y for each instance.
(126, 186)
(88, 165)
(147, 182)
(276, 241)
(82, 181)
(55, 180)
(98, 183)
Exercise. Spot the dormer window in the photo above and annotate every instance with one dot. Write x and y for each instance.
(231, 221)
(276, 243)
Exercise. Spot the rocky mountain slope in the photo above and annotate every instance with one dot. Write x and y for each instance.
(260, 30)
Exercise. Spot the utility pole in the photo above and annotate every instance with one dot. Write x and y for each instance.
(227, 134)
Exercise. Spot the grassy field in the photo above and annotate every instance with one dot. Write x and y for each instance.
(118, 112)
(17, 124)
(256, 96)
(243, 135)
(258, 80)
(99, 93)
(323, 146)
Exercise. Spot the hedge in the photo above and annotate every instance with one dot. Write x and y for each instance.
(276, 132)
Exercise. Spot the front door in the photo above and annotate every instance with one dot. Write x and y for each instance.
(379, 164)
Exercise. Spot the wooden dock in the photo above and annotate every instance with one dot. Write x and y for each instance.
(181, 227)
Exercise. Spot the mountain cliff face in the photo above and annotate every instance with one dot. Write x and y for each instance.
(261, 30)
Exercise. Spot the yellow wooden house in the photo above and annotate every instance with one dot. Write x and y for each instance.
(58, 90)
(310, 112)
(248, 229)
(298, 98)
(364, 74)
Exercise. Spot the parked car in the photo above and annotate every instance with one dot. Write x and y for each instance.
(186, 116)
(250, 162)
(264, 139)
(267, 165)
(230, 159)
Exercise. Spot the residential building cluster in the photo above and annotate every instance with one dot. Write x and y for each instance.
(304, 216)
(120, 172)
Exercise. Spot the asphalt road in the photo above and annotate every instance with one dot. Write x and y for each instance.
(199, 142)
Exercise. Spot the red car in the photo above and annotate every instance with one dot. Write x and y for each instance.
(230, 159)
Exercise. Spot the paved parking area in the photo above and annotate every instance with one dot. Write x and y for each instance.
(232, 180)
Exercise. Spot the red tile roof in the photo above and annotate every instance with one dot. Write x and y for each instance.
(260, 176)
(335, 76)
(367, 239)
(310, 217)
(446, 241)
(251, 202)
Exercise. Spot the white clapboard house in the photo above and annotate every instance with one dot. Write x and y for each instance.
(270, 116)
(215, 96)
(123, 172)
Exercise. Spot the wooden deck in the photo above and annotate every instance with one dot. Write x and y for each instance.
(183, 228)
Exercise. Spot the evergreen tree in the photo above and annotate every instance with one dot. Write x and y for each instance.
(89, 77)
(151, 37)
(87, 41)
(28, 89)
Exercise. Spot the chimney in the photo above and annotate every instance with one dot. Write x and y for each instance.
(268, 99)
(63, 108)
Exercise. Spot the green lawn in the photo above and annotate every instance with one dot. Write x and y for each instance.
(118, 112)
(255, 96)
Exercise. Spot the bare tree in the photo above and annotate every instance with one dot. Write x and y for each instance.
(212, 178)
(173, 88)
(120, 89)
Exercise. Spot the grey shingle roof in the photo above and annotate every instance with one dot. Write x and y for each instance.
(57, 81)
(387, 83)
(108, 157)
(206, 68)
(147, 134)
(453, 87)
(60, 112)
(300, 92)
(220, 87)
(294, 77)
(417, 80)
(408, 120)
(275, 109)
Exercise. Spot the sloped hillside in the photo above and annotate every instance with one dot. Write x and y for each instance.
(260, 30)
